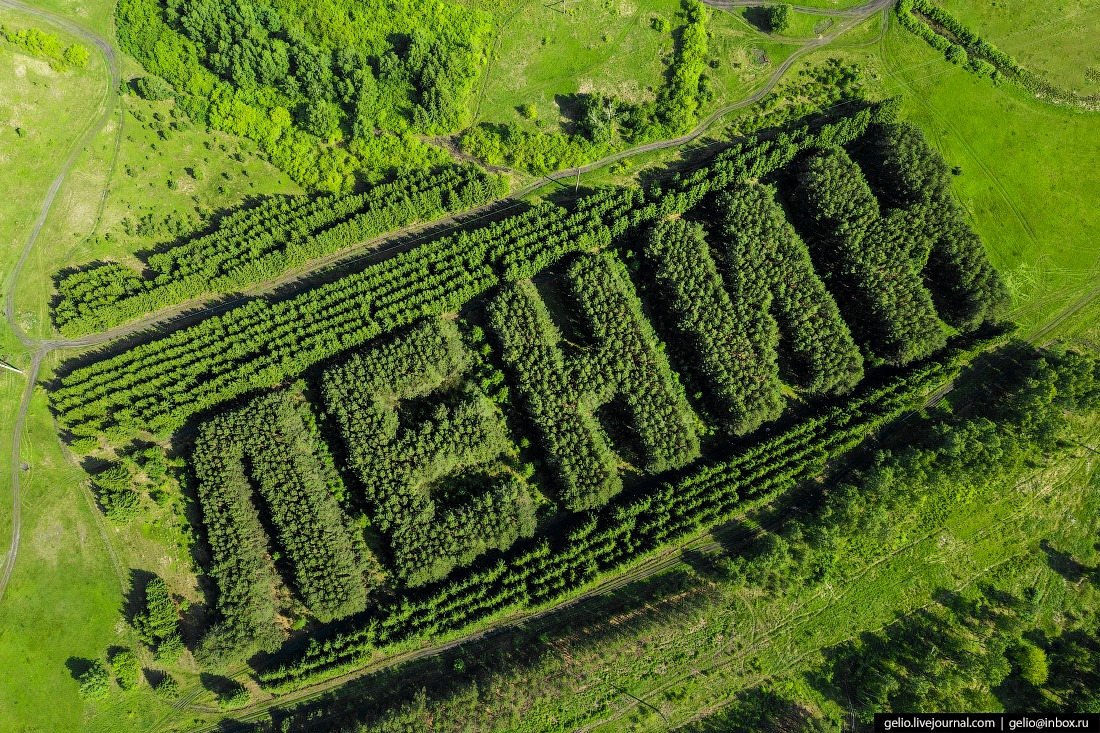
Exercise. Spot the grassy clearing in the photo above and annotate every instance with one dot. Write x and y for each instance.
(160, 167)
(42, 113)
(546, 56)
(1027, 180)
(62, 604)
(1031, 31)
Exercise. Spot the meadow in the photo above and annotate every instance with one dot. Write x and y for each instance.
(1027, 184)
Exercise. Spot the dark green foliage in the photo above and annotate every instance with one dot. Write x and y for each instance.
(158, 385)
(621, 532)
(870, 261)
(240, 565)
(779, 17)
(114, 489)
(433, 478)
(269, 444)
(153, 88)
(262, 242)
(562, 393)
(158, 622)
(95, 682)
(127, 671)
(909, 173)
(234, 695)
(167, 688)
(763, 251)
(734, 338)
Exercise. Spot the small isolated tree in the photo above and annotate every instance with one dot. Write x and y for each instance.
(114, 490)
(661, 24)
(529, 111)
(127, 671)
(235, 696)
(779, 18)
(75, 56)
(167, 688)
(1032, 663)
(95, 682)
(153, 88)
(158, 623)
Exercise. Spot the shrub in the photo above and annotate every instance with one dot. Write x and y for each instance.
(95, 682)
(167, 688)
(127, 671)
(233, 696)
(153, 88)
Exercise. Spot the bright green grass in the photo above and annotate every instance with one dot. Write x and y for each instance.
(51, 108)
(545, 56)
(1056, 39)
(84, 226)
(803, 25)
(1029, 177)
(63, 601)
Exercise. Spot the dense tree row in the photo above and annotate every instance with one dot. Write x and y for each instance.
(734, 339)
(433, 479)
(47, 46)
(294, 77)
(262, 242)
(270, 445)
(618, 534)
(909, 173)
(869, 260)
(982, 57)
(159, 384)
(563, 392)
(763, 251)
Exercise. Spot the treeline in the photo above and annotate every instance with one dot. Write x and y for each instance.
(617, 535)
(734, 338)
(47, 46)
(262, 242)
(296, 80)
(623, 362)
(158, 385)
(435, 482)
(605, 122)
(979, 55)
(271, 447)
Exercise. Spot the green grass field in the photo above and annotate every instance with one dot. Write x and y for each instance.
(546, 55)
(1026, 180)
(1029, 178)
(1056, 40)
(50, 108)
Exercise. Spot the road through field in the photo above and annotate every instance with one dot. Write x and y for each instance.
(91, 129)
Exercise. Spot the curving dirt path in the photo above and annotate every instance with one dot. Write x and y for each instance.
(40, 349)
